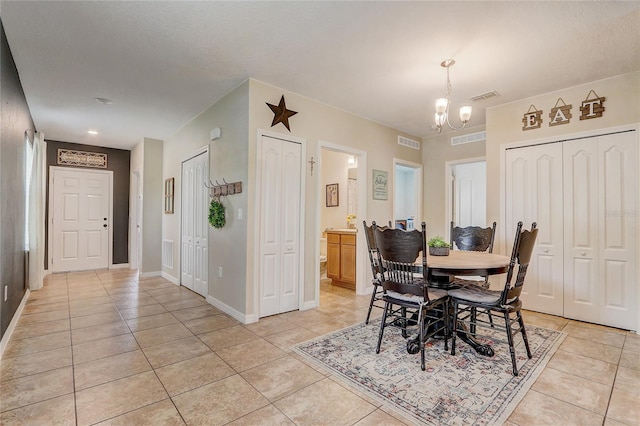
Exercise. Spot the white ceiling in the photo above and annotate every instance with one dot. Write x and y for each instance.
(162, 63)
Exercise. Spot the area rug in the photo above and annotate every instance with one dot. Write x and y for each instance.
(465, 389)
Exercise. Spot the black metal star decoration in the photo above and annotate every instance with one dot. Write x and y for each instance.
(281, 114)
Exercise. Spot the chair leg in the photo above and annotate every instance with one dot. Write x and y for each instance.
(404, 323)
(490, 318)
(373, 298)
(421, 325)
(512, 349)
(454, 328)
(472, 321)
(387, 307)
(524, 334)
(445, 318)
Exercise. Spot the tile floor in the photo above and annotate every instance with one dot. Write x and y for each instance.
(103, 347)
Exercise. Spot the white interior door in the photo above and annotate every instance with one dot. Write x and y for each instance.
(195, 231)
(407, 193)
(280, 211)
(80, 210)
(470, 194)
(534, 194)
(601, 230)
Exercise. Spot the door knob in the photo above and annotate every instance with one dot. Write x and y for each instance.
(546, 250)
(104, 226)
(582, 253)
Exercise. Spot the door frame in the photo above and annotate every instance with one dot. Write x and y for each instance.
(418, 170)
(448, 191)
(202, 150)
(502, 234)
(257, 279)
(362, 258)
(52, 170)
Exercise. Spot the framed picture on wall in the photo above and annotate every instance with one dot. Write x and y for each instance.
(168, 195)
(380, 190)
(332, 195)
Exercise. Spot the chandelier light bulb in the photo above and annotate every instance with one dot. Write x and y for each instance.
(442, 104)
(465, 113)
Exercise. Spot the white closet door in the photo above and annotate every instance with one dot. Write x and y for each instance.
(534, 194)
(601, 230)
(280, 201)
(187, 261)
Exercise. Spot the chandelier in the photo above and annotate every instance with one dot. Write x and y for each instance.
(442, 105)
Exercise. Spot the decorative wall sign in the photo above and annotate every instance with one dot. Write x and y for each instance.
(332, 195)
(560, 114)
(592, 107)
(380, 188)
(281, 114)
(532, 119)
(168, 195)
(71, 157)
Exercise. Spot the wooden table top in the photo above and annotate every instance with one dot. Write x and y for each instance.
(469, 260)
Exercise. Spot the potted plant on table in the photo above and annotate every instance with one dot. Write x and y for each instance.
(438, 246)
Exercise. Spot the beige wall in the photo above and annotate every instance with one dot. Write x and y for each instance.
(504, 125)
(333, 169)
(436, 151)
(228, 160)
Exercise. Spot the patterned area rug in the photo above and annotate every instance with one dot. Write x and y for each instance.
(464, 389)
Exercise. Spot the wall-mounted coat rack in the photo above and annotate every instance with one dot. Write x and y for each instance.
(218, 190)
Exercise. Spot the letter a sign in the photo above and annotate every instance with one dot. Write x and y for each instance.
(560, 114)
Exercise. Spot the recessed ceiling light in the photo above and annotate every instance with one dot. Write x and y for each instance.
(103, 101)
(92, 132)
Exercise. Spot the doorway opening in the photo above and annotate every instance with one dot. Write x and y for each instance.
(407, 190)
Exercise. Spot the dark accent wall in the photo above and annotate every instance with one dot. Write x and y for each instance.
(118, 160)
(16, 118)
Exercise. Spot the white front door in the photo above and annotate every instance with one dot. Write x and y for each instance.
(534, 194)
(601, 229)
(280, 211)
(195, 231)
(80, 218)
(470, 194)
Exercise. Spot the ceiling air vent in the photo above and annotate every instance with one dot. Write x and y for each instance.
(471, 137)
(485, 96)
(408, 142)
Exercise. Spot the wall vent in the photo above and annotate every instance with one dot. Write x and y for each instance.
(485, 96)
(471, 137)
(408, 142)
(167, 253)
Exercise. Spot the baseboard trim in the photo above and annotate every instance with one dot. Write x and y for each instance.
(245, 319)
(12, 325)
(119, 266)
(312, 304)
(149, 274)
(169, 278)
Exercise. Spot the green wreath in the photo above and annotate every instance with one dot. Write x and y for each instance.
(216, 214)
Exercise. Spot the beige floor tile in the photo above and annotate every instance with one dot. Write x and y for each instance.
(227, 337)
(208, 324)
(28, 390)
(550, 322)
(160, 413)
(60, 411)
(379, 417)
(608, 421)
(170, 295)
(575, 390)
(596, 333)
(243, 357)
(632, 343)
(40, 329)
(628, 380)
(96, 319)
(142, 311)
(152, 321)
(92, 310)
(176, 351)
(115, 398)
(588, 368)
(83, 303)
(134, 303)
(324, 402)
(281, 377)
(540, 409)
(103, 348)
(25, 365)
(36, 302)
(43, 317)
(192, 373)
(220, 402)
(97, 332)
(590, 349)
(195, 313)
(630, 359)
(88, 293)
(111, 368)
(22, 347)
(624, 407)
(160, 335)
(270, 325)
(183, 304)
(285, 339)
(266, 416)
(45, 307)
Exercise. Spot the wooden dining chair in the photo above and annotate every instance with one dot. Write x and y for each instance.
(506, 302)
(404, 290)
(376, 294)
